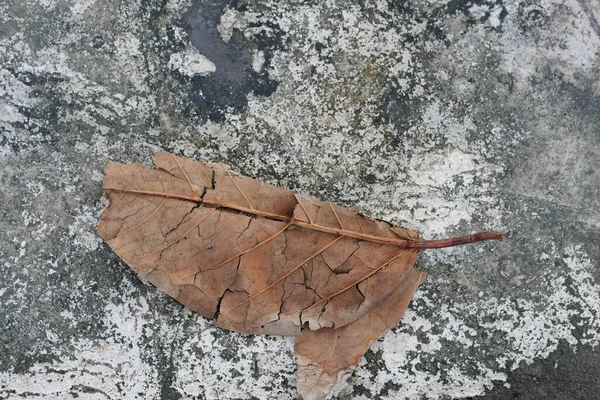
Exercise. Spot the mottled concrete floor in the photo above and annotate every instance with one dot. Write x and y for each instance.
(448, 116)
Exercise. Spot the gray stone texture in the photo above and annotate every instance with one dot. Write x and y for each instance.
(448, 116)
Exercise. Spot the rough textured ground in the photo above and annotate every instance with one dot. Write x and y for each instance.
(448, 116)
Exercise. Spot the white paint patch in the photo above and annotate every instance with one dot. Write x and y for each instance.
(35, 188)
(13, 94)
(230, 20)
(258, 60)
(113, 368)
(117, 367)
(439, 168)
(568, 26)
(440, 191)
(184, 147)
(177, 6)
(80, 7)
(537, 328)
(130, 60)
(49, 4)
(210, 369)
(9, 114)
(190, 63)
(82, 230)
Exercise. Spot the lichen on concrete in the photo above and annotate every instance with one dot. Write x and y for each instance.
(448, 116)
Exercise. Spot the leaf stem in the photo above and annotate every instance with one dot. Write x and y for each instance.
(455, 241)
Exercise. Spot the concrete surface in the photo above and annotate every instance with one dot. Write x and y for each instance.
(448, 116)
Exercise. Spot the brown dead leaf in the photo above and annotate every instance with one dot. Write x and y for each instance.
(256, 258)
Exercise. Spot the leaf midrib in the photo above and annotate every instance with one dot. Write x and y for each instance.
(401, 243)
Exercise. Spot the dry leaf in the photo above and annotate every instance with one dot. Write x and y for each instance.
(256, 258)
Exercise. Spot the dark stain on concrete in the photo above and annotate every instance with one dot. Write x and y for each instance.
(553, 377)
(234, 78)
(461, 6)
